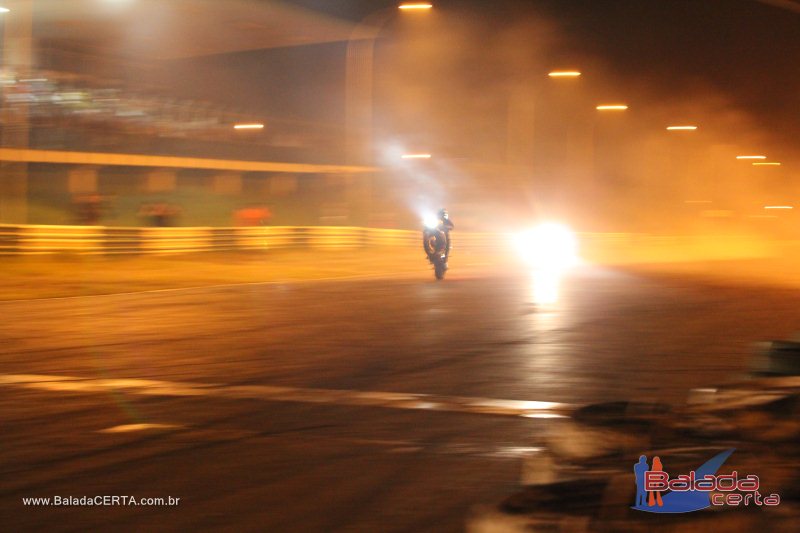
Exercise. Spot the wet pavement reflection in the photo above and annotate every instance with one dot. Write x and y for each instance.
(419, 400)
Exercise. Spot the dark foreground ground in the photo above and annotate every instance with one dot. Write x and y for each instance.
(360, 405)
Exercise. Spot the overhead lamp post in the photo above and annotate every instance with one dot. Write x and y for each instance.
(523, 111)
(360, 66)
(682, 154)
(612, 108)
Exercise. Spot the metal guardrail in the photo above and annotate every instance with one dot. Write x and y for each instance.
(610, 248)
(30, 239)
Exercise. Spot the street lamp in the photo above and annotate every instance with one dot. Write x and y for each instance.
(745, 157)
(360, 66)
(612, 107)
(681, 128)
(766, 164)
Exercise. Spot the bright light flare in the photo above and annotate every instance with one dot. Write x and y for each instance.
(411, 6)
(681, 128)
(255, 126)
(4, 10)
(549, 246)
(778, 207)
(415, 156)
(564, 74)
(612, 107)
(766, 164)
(751, 157)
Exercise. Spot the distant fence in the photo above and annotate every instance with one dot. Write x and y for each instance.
(611, 248)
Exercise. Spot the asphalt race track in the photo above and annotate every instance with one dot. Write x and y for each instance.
(359, 405)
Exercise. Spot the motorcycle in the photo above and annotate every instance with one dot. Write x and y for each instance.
(434, 242)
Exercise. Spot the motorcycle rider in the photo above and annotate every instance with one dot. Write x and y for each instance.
(445, 224)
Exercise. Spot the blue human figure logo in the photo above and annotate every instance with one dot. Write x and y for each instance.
(639, 470)
(678, 501)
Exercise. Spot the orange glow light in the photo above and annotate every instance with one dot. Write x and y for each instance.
(612, 107)
(681, 128)
(767, 164)
(248, 127)
(751, 157)
(564, 74)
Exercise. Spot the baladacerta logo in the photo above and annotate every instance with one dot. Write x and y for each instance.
(656, 492)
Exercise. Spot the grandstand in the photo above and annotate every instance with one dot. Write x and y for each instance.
(88, 77)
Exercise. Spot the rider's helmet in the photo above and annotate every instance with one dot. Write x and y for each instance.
(443, 215)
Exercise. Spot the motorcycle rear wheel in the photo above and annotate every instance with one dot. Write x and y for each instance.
(439, 270)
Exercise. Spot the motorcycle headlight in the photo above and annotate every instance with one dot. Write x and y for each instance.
(430, 222)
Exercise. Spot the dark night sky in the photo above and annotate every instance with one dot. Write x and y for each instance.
(745, 49)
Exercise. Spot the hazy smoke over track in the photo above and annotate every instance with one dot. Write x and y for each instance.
(476, 93)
